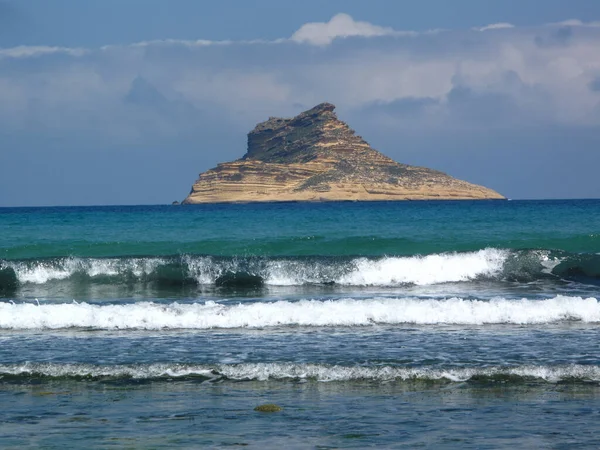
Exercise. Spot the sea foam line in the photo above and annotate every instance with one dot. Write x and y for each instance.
(344, 312)
(293, 371)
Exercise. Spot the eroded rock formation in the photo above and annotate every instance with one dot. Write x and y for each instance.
(317, 157)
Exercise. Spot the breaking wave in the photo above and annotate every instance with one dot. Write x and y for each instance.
(295, 372)
(494, 264)
(327, 313)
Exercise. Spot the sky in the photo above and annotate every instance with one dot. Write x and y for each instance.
(127, 101)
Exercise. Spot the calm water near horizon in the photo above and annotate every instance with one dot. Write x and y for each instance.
(393, 324)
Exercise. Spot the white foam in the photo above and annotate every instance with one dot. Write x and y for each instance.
(41, 272)
(44, 271)
(393, 271)
(111, 267)
(320, 372)
(548, 263)
(423, 270)
(201, 268)
(345, 312)
(116, 371)
(292, 371)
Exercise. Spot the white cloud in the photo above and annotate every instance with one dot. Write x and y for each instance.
(340, 26)
(576, 23)
(496, 26)
(27, 51)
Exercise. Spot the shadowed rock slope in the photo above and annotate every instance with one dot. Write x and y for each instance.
(317, 157)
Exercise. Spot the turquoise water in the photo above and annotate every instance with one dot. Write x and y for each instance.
(294, 229)
(432, 324)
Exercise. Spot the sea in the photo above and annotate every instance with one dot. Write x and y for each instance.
(433, 324)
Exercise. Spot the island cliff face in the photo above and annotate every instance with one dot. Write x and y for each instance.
(316, 157)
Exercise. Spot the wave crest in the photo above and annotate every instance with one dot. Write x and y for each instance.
(329, 313)
(293, 371)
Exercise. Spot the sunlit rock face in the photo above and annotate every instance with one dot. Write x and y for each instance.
(317, 157)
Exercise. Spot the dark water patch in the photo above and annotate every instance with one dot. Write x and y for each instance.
(8, 281)
(239, 280)
(580, 267)
(171, 274)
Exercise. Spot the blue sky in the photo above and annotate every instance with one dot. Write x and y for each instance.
(101, 22)
(126, 101)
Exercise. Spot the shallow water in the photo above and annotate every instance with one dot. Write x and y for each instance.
(319, 415)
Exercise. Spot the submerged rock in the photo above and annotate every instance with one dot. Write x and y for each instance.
(317, 157)
(270, 407)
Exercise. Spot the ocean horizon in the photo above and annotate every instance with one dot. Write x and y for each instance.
(108, 205)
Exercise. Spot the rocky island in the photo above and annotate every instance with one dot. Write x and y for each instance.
(317, 157)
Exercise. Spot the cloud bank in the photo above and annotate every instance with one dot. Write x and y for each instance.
(448, 78)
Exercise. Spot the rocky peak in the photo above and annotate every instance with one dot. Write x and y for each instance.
(314, 133)
(319, 110)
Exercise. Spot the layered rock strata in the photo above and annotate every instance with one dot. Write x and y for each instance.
(317, 157)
